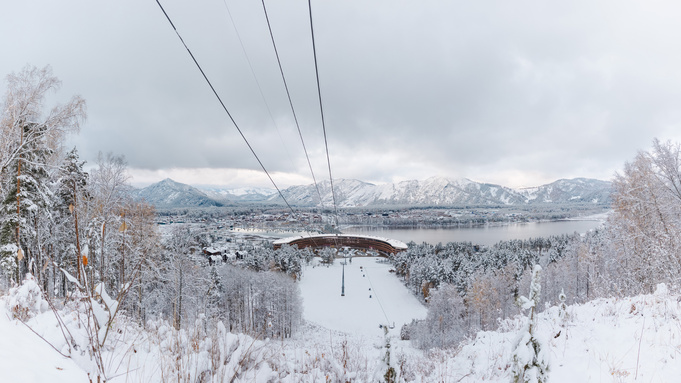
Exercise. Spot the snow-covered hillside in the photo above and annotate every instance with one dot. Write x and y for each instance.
(574, 190)
(24, 357)
(237, 194)
(606, 340)
(438, 191)
(169, 193)
(434, 191)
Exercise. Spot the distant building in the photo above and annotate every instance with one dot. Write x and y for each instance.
(383, 246)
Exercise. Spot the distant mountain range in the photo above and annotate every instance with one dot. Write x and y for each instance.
(435, 191)
(438, 191)
(237, 195)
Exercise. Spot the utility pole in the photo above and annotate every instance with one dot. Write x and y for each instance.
(343, 281)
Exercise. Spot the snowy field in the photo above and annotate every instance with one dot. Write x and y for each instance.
(24, 357)
(373, 297)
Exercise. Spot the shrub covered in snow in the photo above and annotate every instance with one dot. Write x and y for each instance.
(26, 301)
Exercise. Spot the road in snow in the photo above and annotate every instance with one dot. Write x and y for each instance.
(373, 296)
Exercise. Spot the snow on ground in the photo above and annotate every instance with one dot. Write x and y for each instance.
(635, 339)
(24, 357)
(373, 297)
(620, 340)
(605, 340)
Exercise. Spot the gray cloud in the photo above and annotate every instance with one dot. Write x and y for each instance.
(517, 92)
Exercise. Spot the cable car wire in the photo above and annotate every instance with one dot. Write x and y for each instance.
(321, 110)
(224, 106)
(255, 78)
(295, 117)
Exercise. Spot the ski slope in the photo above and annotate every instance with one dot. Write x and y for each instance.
(373, 297)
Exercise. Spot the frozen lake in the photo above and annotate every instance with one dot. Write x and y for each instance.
(485, 235)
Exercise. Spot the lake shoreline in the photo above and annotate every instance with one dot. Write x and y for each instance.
(487, 234)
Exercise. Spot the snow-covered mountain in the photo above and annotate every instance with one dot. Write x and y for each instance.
(434, 191)
(438, 191)
(574, 190)
(168, 193)
(238, 194)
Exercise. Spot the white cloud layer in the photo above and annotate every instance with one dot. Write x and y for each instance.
(215, 177)
(518, 93)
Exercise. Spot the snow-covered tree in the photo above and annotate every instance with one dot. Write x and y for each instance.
(23, 105)
(530, 356)
(388, 368)
(183, 282)
(446, 323)
(26, 204)
(107, 189)
(260, 303)
(328, 255)
(71, 203)
(288, 260)
(214, 294)
(646, 221)
(138, 258)
(29, 138)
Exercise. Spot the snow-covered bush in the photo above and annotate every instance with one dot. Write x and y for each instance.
(8, 260)
(390, 375)
(26, 301)
(328, 255)
(208, 352)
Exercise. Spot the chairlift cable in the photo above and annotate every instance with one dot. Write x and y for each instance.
(293, 111)
(321, 110)
(373, 290)
(262, 94)
(224, 107)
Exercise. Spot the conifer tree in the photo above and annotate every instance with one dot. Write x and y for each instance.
(214, 294)
(71, 200)
(530, 359)
(29, 139)
(25, 204)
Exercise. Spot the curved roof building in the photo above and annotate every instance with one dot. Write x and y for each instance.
(383, 246)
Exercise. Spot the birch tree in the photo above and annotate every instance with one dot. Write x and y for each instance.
(23, 104)
(107, 190)
(29, 139)
(646, 221)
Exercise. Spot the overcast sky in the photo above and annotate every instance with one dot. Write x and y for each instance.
(518, 93)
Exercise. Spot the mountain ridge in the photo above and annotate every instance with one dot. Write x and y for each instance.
(169, 193)
(433, 191)
(441, 191)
